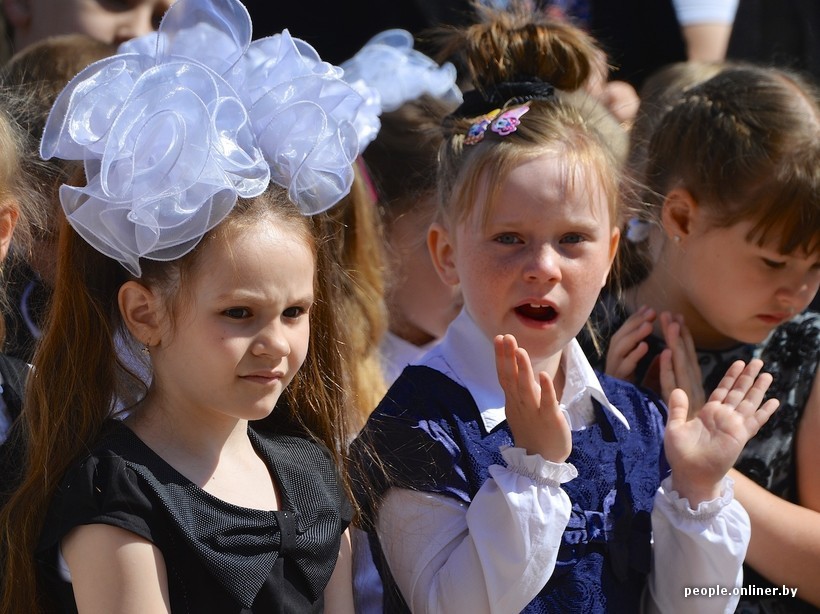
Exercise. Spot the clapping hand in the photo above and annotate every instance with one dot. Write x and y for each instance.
(628, 345)
(703, 448)
(679, 366)
(534, 416)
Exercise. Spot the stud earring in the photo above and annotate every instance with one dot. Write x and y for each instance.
(145, 350)
(676, 238)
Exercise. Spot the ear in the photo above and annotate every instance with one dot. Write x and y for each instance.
(8, 220)
(139, 307)
(614, 241)
(18, 12)
(442, 252)
(678, 213)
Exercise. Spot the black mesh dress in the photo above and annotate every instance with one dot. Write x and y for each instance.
(219, 557)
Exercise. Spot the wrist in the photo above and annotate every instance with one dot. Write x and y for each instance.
(696, 493)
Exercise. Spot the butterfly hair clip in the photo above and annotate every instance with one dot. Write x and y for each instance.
(501, 123)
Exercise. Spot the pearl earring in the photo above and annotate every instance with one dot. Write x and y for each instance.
(676, 238)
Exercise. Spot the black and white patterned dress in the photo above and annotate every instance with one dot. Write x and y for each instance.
(791, 353)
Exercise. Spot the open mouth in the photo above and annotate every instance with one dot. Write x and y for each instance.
(539, 313)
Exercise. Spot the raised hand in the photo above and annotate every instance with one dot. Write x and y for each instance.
(679, 367)
(627, 346)
(535, 418)
(702, 449)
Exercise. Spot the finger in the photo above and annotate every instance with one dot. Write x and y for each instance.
(728, 381)
(643, 314)
(761, 416)
(549, 400)
(688, 341)
(670, 328)
(635, 327)
(621, 362)
(631, 360)
(507, 369)
(682, 360)
(755, 395)
(667, 374)
(678, 408)
(528, 388)
(745, 384)
(503, 365)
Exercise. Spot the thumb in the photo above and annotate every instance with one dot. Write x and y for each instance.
(678, 406)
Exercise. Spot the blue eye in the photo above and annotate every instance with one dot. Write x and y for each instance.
(507, 239)
(573, 238)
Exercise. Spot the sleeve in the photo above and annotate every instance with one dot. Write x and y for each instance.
(442, 551)
(697, 549)
(99, 490)
(691, 12)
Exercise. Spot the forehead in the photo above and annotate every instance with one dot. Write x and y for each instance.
(775, 239)
(262, 253)
(545, 187)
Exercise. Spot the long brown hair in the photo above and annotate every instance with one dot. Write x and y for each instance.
(80, 377)
(355, 264)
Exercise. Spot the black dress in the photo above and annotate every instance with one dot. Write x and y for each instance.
(13, 374)
(219, 557)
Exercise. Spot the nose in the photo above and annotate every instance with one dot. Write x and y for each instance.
(543, 265)
(271, 341)
(799, 291)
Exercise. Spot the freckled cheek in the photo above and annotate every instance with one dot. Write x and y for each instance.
(485, 281)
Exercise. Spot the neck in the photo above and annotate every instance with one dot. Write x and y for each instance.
(552, 367)
(192, 442)
(405, 329)
(661, 291)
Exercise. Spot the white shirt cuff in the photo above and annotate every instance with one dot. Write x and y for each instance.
(705, 509)
(705, 11)
(534, 466)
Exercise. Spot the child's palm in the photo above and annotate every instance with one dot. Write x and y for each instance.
(702, 449)
(533, 414)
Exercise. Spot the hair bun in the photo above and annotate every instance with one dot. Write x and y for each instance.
(520, 44)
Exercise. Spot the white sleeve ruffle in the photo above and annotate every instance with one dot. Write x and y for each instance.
(694, 548)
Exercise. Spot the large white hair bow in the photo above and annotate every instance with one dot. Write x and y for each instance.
(181, 122)
(388, 72)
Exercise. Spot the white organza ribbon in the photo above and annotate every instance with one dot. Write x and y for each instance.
(183, 121)
(387, 72)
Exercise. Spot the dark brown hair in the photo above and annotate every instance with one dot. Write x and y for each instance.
(403, 158)
(355, 266)
(746, 145)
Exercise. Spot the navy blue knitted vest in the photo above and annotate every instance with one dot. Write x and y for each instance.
(427, 434)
